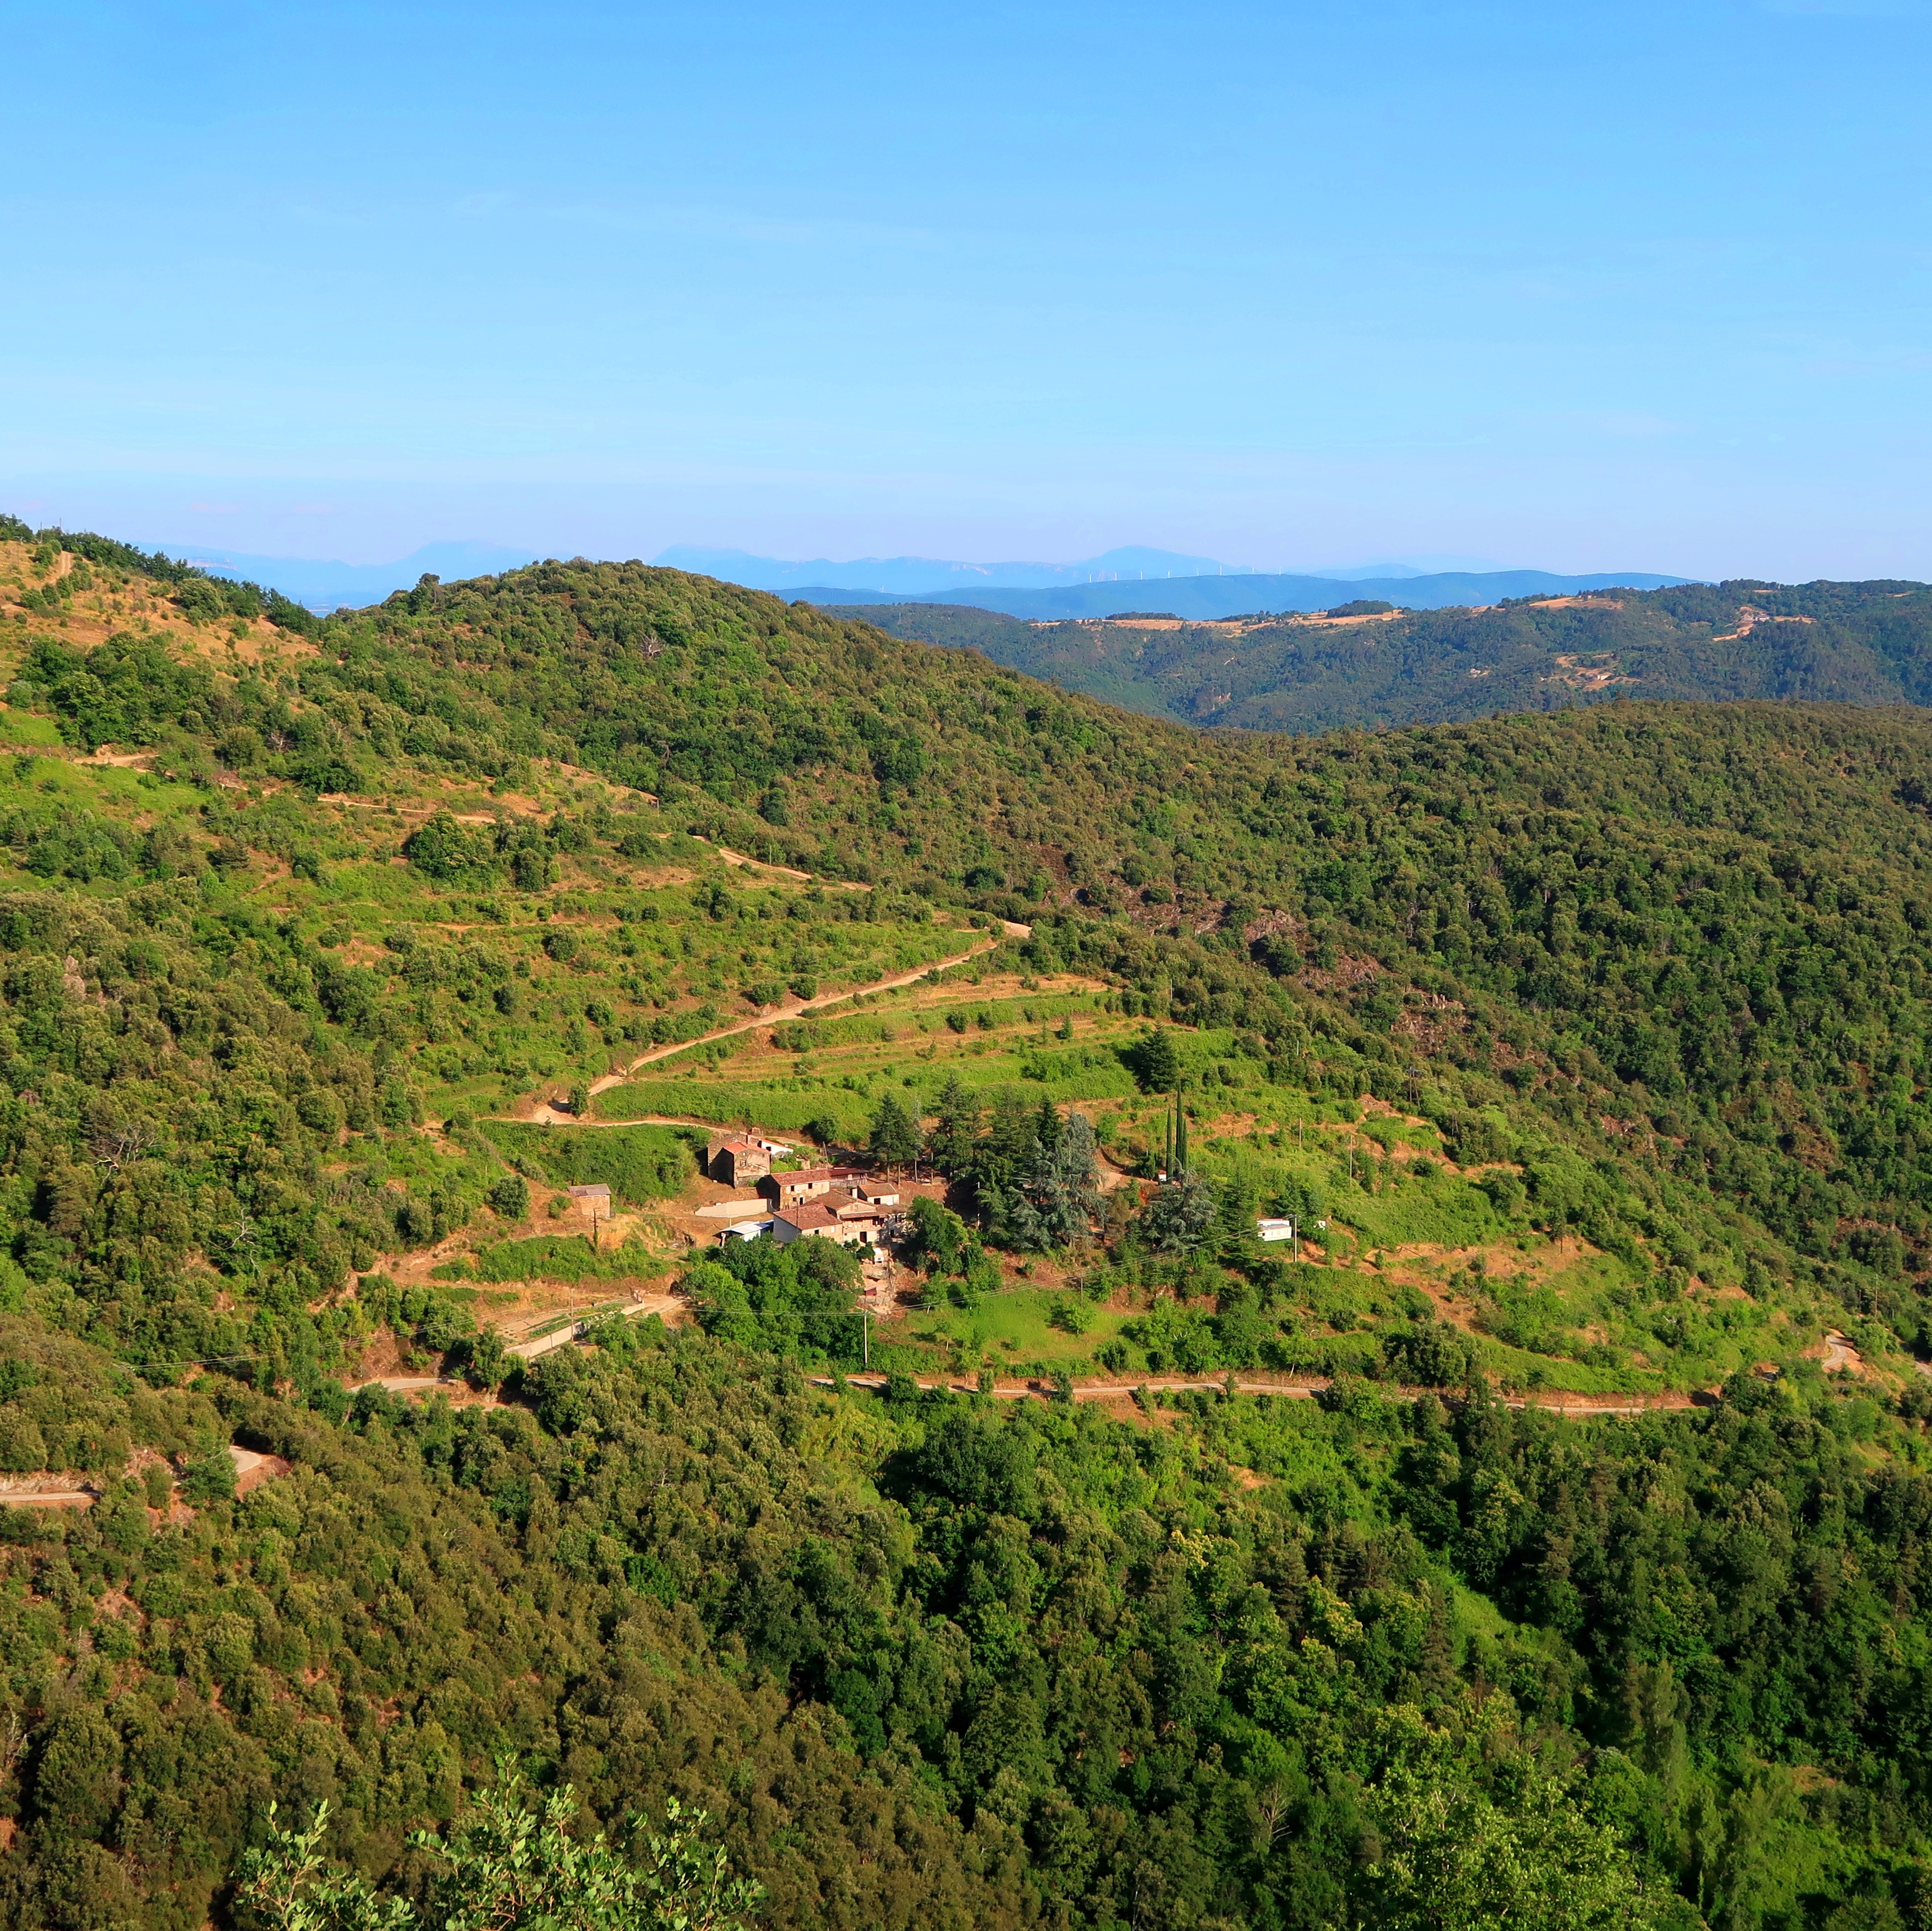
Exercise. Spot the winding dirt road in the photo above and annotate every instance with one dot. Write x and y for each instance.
(1636, 1404)
(524, 1350)
(539, 1109)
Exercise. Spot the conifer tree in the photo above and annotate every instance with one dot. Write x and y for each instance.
(1157, 1061)
(1235, 1214)
(894, 1139)
(1011, 1136)
(955, 1129)
(1180, 1216)
(1058, 1197)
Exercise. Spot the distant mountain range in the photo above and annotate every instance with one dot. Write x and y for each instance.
(322, 584)
(1132, 578)
(1204, 597)
(899, 577)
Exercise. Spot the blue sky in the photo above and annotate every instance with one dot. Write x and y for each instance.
(1583, 286)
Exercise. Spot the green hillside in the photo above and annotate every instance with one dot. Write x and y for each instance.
(1591, 1047)
(1847, 643)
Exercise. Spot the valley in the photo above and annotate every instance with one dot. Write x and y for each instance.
(1085, 1558)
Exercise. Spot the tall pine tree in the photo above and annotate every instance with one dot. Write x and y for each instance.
(955, 1137)
(895, 1138)
(1058, 1196)
(1007, 1149)
(1156, 1062)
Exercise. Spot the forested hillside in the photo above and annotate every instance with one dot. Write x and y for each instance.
(1592, 1048)
(1847, 644)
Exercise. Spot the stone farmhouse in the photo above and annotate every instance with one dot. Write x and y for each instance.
(806, 1183)
(849, 1222)
(738, 1163)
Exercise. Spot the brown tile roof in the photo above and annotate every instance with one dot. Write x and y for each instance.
(810, 1215)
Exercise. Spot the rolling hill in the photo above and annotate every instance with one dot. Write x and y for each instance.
(1854, 643)
(1548, 1531)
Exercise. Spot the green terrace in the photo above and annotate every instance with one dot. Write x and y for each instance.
(487, 991)
(834, 1067)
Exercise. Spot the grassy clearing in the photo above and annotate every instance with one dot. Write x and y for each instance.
(1442, 1212)
(639, 1164)
(733, 1103)
(1017, 1325)
(837, 1069)
(23, 727)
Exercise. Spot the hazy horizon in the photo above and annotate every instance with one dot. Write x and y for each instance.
(324, 583)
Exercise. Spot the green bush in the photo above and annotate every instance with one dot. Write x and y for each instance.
(208, 1476)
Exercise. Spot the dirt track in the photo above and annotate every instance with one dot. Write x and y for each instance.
(1635, 1404)
(524, 1350)
(790, 1008)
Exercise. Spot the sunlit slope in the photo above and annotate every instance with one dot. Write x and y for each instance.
(1852, 644)
(1683, 942)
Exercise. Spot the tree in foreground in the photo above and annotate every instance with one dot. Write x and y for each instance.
(511, 1864)
(1452, 1856)
(955, 1137)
